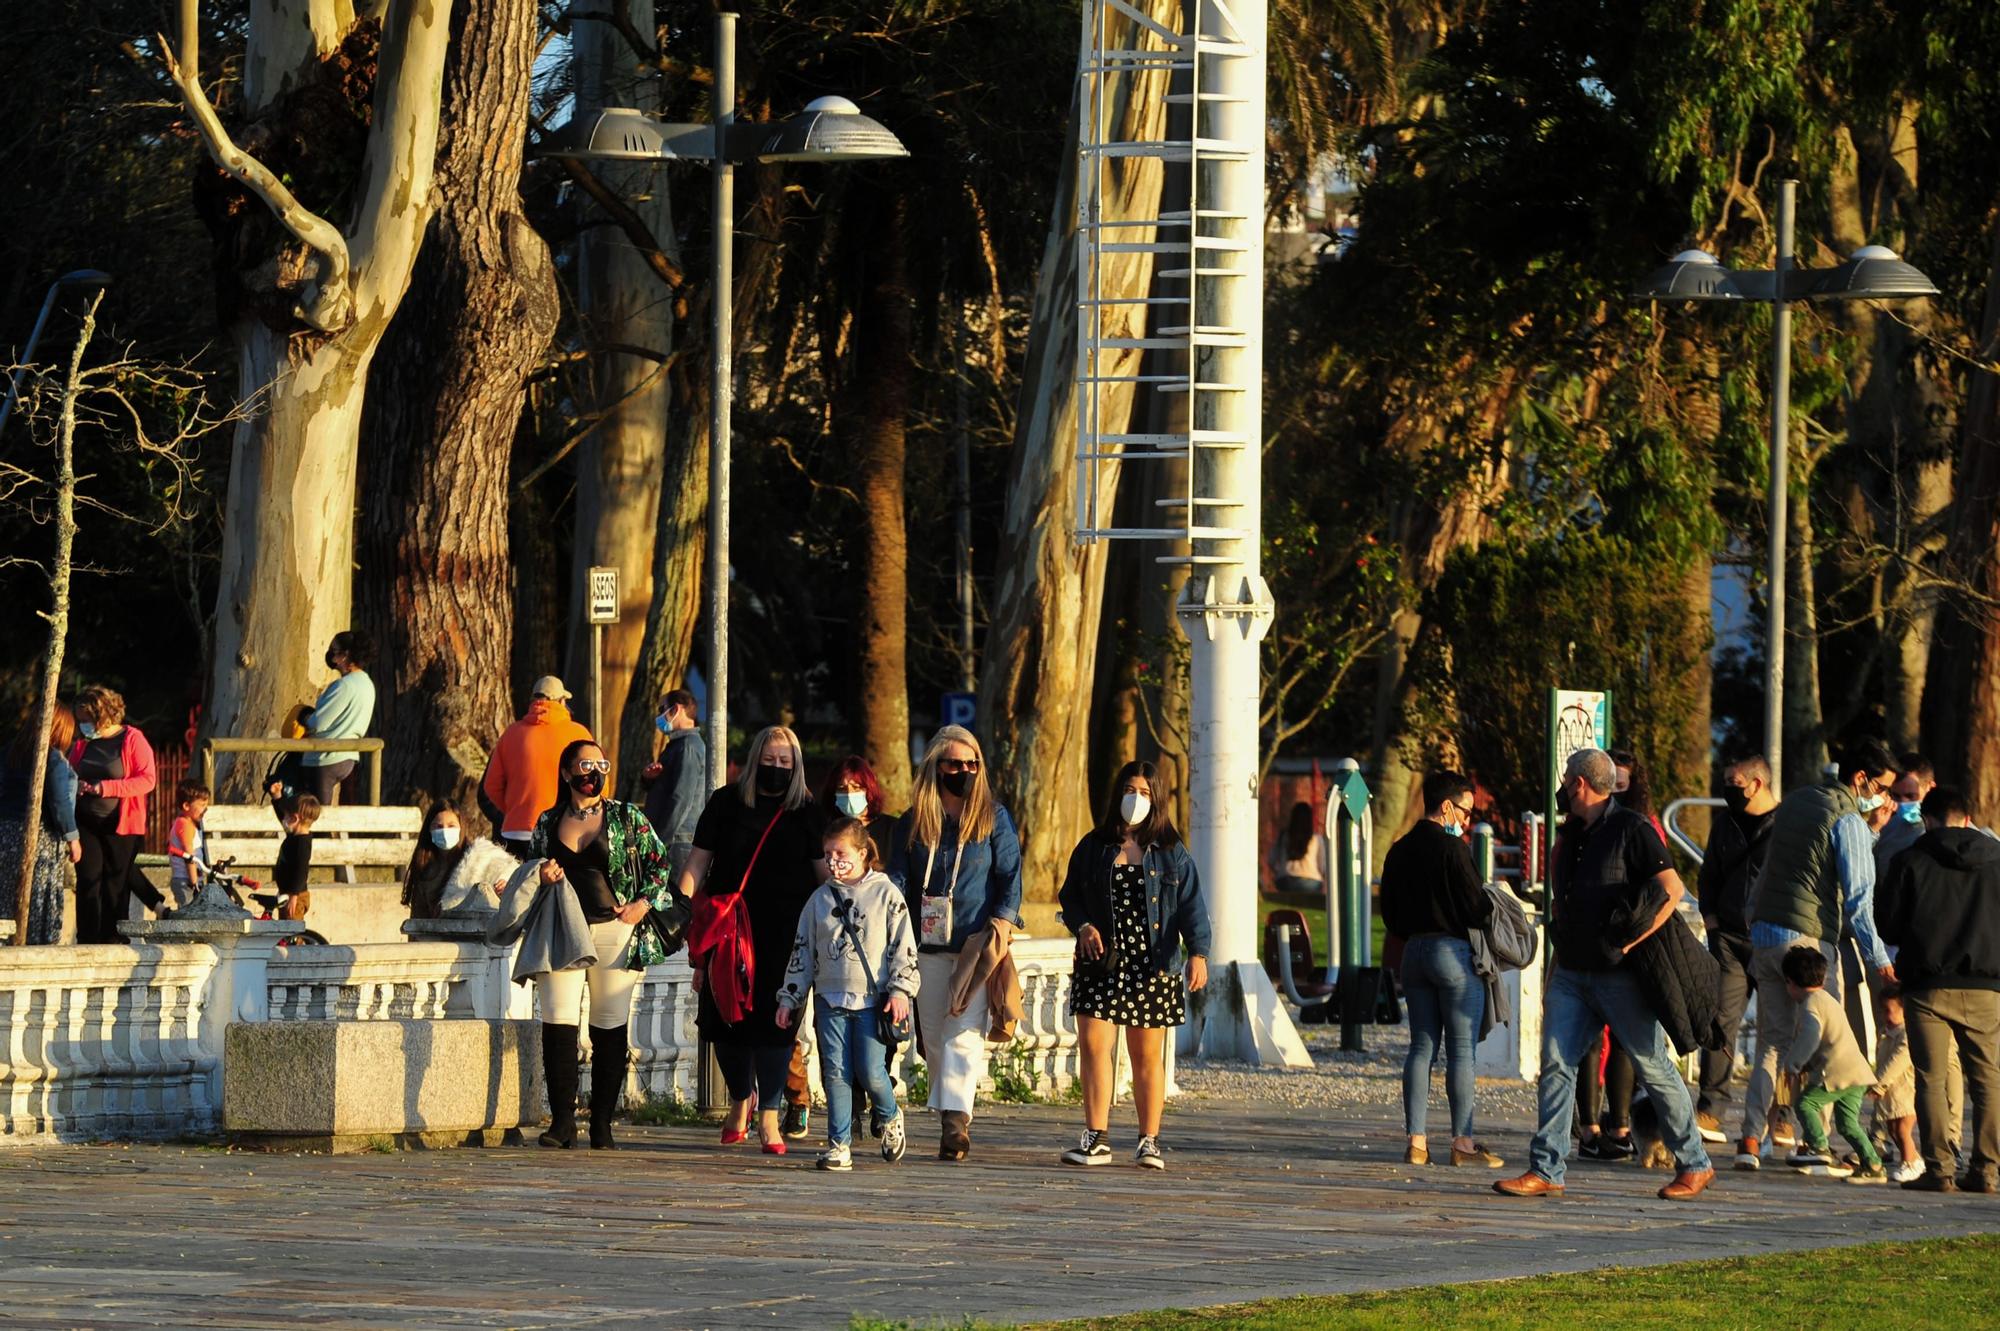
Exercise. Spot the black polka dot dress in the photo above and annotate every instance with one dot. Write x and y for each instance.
(1135, 994)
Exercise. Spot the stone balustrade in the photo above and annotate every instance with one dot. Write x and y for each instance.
(128, 1040)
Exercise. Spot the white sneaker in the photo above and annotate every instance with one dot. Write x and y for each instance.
(1904, 1171)
(1090, 1149)
(837, 1158)
(892, 1139)
(1148, 1155)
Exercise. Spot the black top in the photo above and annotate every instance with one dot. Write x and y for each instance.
(1735, 853)
(1941, 907)
(294, 867)
(589, 874)
(1600, 872)
(103, 759)
(1429, 885)
(776, 892)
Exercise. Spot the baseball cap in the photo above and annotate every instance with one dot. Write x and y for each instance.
(548, 686)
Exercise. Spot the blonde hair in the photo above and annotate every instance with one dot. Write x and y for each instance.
(975, 820)
(797, 795)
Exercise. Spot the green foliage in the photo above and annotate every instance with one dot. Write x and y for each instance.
(668, 1111)
(1016, 1078)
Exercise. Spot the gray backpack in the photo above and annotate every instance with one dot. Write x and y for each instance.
(1510, 934)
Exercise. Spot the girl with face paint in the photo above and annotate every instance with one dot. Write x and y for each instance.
(1132, 898)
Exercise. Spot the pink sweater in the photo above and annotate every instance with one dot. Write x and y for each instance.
(131, 789)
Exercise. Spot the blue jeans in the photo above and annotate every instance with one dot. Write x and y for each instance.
(851, 1052)
(1446, 1000)
(1576, 1005)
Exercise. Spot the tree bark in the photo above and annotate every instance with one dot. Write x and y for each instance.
(620, 301)
(1035, 678)
(286, 578)
(444, 404)
(880, 379)
(60, 569)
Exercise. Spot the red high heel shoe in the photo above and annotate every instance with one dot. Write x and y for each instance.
(731, 1136)
(775, 1148)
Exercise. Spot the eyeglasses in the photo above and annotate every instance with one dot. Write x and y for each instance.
(956, 765)
(594, 765)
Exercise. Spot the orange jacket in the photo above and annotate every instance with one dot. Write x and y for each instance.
(521, 777)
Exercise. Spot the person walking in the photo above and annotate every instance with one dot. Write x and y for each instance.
(610, 857)
(677, 780)
(345, 709)
(523, 777)
(1736, 845)
(1818, 873)
(855, 947)
(1942, 910)
(956, 857)
(115, 773)
(1431, 897)
(1612, 888)
(757, 859)
(38, 755)
(1132, 898)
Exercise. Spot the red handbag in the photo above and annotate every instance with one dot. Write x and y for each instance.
(720, 945)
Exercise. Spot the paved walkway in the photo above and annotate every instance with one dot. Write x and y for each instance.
(676, 1232)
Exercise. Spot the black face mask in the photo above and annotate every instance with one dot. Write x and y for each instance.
(1737, 798)
(773, 780)
(587, 784)
(955, 783)
(329, 660)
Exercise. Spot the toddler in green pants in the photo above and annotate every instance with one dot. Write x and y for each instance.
(1832, 1072)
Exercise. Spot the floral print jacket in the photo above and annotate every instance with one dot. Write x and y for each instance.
(638, 868)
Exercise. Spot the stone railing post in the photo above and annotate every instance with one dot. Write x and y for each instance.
(496, 997)
(239, 987)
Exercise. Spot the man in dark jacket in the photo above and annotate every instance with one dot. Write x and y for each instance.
(1942, 910)
(1608, 861)
(1735, 853)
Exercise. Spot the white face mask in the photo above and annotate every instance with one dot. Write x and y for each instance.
(1134, 807)
(1870, 803)
(853, 803)
(444, 838)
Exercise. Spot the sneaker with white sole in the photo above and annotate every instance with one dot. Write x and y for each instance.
(892, 1139)
(1149, 1155)
(1868, 1174)
(1710, 1127)
(1903, 1171)
(837, 1158)
(1748, 1157)
(1806, 1158)
(1090, 1149)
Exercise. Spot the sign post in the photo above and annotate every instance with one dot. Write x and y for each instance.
(1578, 719)
(603, 610)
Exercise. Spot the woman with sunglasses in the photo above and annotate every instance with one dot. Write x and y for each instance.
(957, 859)
(611, 858)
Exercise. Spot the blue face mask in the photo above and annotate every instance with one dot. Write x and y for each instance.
(87, 729)
(853, 803)
(664, 726)
(1454, 829)
(1911, 811)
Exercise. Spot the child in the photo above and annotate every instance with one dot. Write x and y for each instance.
(856, 947)
(1830, 1068)
(289, 876)
(187, 843)
(1895, 1091)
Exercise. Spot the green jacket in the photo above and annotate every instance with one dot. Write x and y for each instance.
(638, 868)
(1799, 887)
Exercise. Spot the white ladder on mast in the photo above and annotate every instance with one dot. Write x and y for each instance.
(1206, 246)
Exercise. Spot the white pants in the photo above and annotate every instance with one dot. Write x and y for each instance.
(560, 993)
(955, 1046)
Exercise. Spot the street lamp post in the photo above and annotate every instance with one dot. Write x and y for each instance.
(1870, 273)
(830, 129)
(82, 277)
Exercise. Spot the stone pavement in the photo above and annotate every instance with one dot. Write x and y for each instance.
(674, 1231)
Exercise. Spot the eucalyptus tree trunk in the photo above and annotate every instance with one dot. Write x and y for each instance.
(1040, 660)
(620, 302)
(444, 404)
(307, 301)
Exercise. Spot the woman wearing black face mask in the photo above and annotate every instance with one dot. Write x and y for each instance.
(756, 862)
(609, 855)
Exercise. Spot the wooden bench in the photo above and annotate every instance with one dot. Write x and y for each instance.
(346, 838)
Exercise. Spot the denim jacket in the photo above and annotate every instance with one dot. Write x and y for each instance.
(1175, 912)
(675, 798)
(988, 882)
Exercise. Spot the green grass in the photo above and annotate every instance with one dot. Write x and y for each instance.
(1951, 1284)
(1316, 926)
(668, 1112)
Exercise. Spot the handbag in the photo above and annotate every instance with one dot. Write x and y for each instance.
(719, 943)
(670, 923)
(894, 1030)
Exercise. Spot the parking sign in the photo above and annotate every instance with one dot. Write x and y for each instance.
(958, 709)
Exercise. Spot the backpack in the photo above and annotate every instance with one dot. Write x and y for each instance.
(1510, 935)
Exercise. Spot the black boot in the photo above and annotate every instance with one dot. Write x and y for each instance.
(559, 1074)
(607, 1082)
(955, 1134)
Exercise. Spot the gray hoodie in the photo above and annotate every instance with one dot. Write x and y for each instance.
(824, 956)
